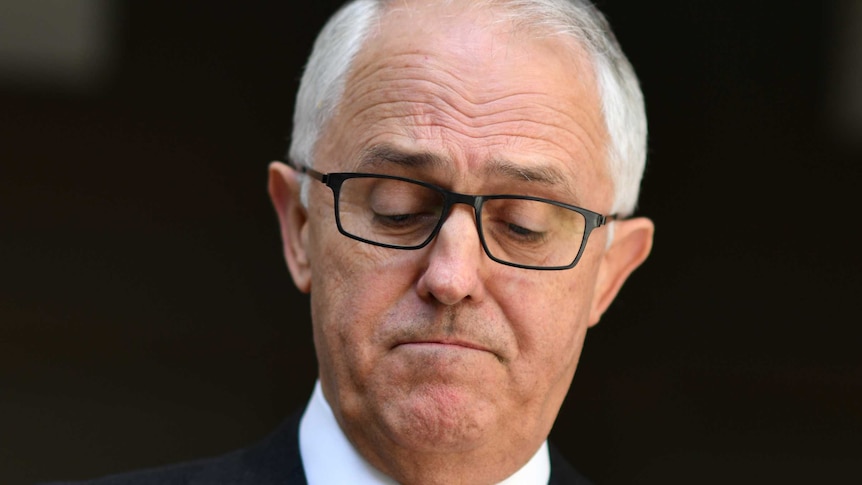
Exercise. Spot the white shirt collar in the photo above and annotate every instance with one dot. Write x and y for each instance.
(329, 458)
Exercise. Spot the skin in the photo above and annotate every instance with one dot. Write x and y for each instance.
(440, 365)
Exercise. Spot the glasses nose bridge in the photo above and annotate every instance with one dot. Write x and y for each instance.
(453, 198)
(450, 200)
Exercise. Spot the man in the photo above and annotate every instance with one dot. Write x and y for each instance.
(456, 205)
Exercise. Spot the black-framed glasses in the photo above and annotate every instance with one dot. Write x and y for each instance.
(402, 213)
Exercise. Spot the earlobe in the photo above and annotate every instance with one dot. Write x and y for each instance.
(284, 192)
(630, 247)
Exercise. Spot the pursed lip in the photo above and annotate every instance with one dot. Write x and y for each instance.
(445, 342)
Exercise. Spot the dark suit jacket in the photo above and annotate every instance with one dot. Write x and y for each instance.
(274, 460)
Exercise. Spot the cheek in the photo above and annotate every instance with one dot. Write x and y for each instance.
(349, 294)
(549, 315)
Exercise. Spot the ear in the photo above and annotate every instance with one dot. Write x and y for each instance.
(284, 191)
(630, 247)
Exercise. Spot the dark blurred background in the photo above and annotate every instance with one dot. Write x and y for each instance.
(146, 316)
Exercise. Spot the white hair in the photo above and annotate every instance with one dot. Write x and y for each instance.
(322, 84)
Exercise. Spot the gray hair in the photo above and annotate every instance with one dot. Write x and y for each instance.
(322, 84)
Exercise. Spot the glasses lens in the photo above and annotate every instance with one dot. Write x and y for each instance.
(531, 232)
(388, 211)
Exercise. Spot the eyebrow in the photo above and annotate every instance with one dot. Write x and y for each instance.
(544, 175)
(380, 155)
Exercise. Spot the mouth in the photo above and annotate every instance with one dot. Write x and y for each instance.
(443, 343)
(448, 346)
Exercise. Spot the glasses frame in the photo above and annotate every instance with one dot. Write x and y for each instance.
(334, 181)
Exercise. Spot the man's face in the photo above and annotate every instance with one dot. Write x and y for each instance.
(442, 350)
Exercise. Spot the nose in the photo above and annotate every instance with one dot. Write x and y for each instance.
(454, 261)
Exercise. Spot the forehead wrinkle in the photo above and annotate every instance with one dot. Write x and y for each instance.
(470, 110)
(428, 125)
(431, 113)
(424, 70)
(422, 127)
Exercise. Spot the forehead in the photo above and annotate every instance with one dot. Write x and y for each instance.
(463, 84)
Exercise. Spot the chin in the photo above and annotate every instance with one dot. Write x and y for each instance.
(439, 418)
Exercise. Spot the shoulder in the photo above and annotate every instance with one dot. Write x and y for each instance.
(563, 473)
(273, 460)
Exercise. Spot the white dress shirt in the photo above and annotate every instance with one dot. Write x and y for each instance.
(329, 458)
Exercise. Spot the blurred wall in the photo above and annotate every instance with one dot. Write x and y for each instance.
(146, 315)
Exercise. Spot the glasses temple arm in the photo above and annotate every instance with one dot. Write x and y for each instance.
(307, 171)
